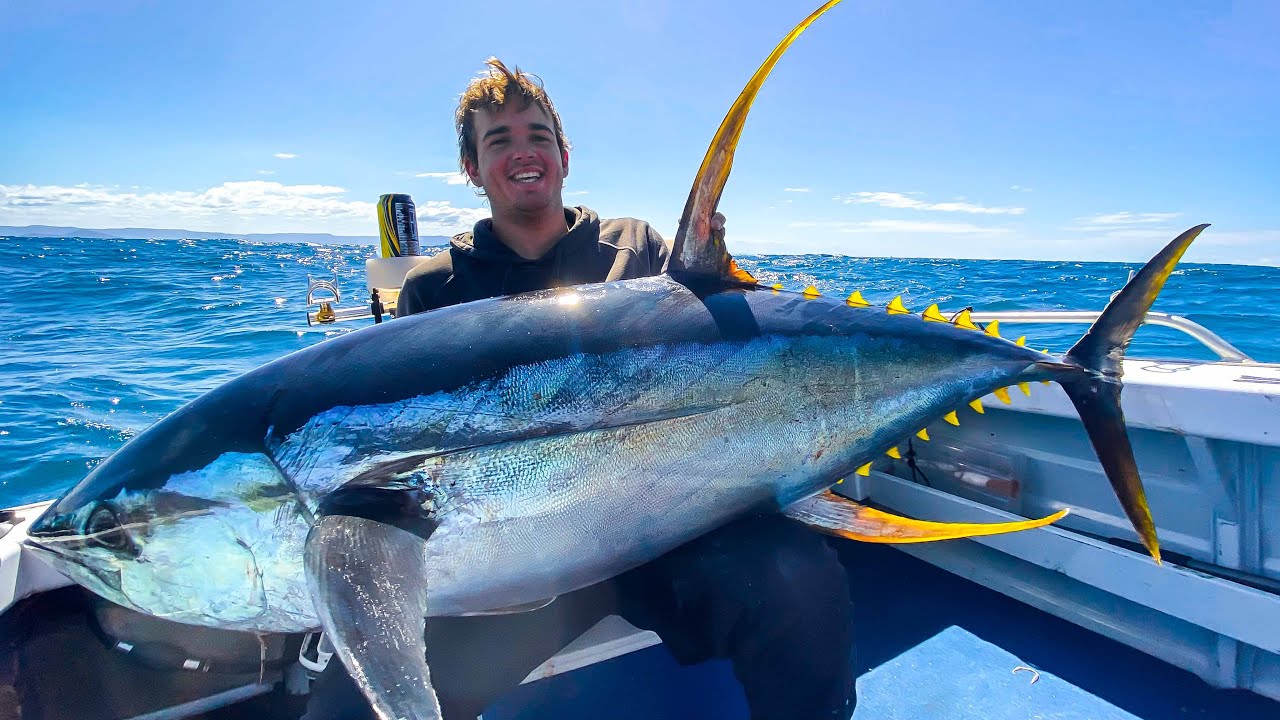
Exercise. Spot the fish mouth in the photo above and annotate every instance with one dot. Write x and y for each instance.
(101, 580)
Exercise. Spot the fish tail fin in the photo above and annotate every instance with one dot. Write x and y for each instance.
(1090, 373)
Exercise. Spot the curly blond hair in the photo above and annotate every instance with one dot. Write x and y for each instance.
(490, 91)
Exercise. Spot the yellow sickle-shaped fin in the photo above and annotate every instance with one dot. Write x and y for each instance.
(963, 320)
(810, 293)
(1025, 388)
(835, 515)
(933, 314)
(1003, 395)
(895, 307)
(855, 300)
(696, 248)
(923, 434)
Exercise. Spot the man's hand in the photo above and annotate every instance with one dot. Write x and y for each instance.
(717, 223)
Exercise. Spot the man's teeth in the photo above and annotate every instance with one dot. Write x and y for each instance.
(527, 176)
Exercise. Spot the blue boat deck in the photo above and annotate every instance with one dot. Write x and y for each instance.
(930, 645)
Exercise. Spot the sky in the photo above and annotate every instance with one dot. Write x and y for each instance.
(1087, 130)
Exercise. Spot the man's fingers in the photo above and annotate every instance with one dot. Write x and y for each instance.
(717, 222)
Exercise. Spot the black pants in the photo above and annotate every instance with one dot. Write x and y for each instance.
(764, 592)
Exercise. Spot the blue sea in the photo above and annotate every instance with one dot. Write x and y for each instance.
(102, 338)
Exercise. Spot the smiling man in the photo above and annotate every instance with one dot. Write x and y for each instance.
(513, 148)
(764, 592)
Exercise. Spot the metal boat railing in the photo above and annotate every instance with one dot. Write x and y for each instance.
(1225, 351)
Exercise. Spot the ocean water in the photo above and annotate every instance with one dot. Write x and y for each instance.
(101, 338)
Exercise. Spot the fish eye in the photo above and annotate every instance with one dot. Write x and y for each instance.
(105, 530)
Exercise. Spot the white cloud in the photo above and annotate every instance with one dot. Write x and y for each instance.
(796, 189)
(902, 201)
(450, 178)
(286, 156)
(903, 226)
(577, 193)
(1019, 188)
(244, 206)
(261, 172)
(1127, 226)
(1123, 219)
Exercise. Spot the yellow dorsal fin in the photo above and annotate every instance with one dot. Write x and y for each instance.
(893, 453)
(697, 248)
(855, 300)
(993, 328)
(1021, 341)
(865, 470)
(923, 434)
(933, 314)
(977, 406)
(1003, 394)
(952, 418)
(777, 287)
(1025, 388)
(811, 292)
(963, 320)
(896, 307)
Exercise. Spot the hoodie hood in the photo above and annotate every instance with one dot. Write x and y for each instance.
(482, 243)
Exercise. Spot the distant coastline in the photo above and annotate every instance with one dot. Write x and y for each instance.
(54, 231)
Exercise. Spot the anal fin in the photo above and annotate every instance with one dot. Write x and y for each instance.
(835, 515)
(368, 581)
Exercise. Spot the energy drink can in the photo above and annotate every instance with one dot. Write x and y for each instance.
(398, 225)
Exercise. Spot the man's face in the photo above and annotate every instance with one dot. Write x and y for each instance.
(518, 161)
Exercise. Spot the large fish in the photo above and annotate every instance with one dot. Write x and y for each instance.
(490, 456)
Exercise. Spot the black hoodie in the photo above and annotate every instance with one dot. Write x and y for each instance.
(478, 265)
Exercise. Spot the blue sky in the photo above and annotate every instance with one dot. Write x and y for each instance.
(1086, 130)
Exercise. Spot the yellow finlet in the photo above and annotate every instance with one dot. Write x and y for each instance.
(840, 481)
(977, 406)
(923, 434)
(1003, 394)
(933, 314)
(963, 320)
(951, 418)
(1045, 351)
(1025, 388)
(1021, 341)
(896, 307)
(865, 470)
(993, 328)
(893, 453)
(855, 300)
(811, 292)
(777, 287)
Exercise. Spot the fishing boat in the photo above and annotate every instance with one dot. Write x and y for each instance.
(1072, 616)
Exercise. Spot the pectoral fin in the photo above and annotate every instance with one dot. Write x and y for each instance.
(835, 515)
(369, 583)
